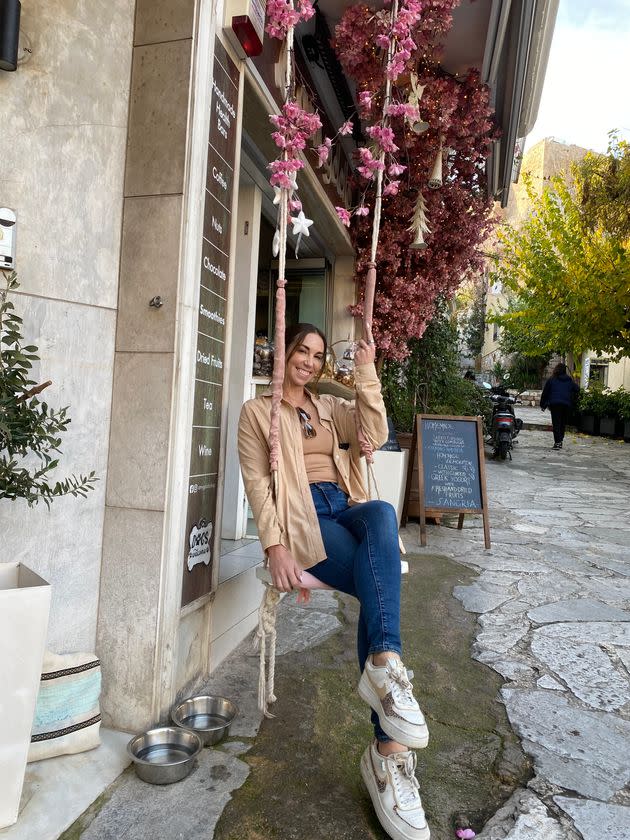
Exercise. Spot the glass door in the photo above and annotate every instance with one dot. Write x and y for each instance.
(307, 295)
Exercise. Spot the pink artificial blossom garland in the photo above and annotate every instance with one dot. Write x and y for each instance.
(294, 127)
(365, 99)
(344, 215)
(396, 36)
(281, 16)
(410, 281)
(391, 188)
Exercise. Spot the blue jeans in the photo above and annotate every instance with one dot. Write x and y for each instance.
(363, 560)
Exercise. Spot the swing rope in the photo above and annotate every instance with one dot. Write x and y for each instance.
(266, 631)
(367, 450)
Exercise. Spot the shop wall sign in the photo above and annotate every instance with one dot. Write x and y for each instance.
(214, 273)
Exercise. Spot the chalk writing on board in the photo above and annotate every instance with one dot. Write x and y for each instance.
(451, 464)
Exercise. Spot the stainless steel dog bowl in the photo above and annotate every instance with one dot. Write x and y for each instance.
(164, 755)
(208, 717)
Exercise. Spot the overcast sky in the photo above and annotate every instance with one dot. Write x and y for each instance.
(587, 85)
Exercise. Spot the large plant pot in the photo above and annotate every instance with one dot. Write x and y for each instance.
(607, 426)
(626, 430)
(413, 508)
(390, 472)
(589, 424)
(24, 607)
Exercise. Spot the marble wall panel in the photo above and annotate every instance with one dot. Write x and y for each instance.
(158, 111)
(149, 266)
(140, 430)
(128, 610)
(76, 346)
(222, 646)
(163, 20)
(246, 591)
(192, 648)
(62, 148)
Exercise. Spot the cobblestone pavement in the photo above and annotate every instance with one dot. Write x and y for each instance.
(553, 597)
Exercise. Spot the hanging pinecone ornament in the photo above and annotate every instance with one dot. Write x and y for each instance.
(419, 224)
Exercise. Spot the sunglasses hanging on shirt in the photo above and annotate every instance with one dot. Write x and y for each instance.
(305, 422)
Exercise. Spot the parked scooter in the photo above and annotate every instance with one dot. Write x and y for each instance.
(505, 426)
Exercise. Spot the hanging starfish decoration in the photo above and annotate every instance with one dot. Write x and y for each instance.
(300, 228)
(301, 224)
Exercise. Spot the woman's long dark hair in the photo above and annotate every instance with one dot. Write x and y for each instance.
(295, 335)
(559, 369)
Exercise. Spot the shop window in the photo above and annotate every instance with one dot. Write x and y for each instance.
(599, 373)
(307, 292)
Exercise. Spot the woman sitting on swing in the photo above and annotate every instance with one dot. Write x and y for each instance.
(323, 522)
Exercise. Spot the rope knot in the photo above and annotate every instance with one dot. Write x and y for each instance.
(267, 630)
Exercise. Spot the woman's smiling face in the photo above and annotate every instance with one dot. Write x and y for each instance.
(305, 361)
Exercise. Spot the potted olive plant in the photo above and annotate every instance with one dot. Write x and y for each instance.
(623, 409)
(609, 415)
(590, 404)
(29, 439)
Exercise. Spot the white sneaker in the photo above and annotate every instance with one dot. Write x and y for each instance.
(393, 788)
(388, 690)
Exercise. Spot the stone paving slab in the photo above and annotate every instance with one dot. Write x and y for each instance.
(189, 809)
(577, 609)
(597, 820)
(587, 670)
(525, 817)
(583, 751)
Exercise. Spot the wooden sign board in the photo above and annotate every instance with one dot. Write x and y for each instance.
(451, 469)
(214, 277)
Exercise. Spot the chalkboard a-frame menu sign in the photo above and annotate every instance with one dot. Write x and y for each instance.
(451, 469)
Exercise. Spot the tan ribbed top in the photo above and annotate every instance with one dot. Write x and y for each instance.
(318, 451)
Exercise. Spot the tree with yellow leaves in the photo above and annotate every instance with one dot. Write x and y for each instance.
(567, 280)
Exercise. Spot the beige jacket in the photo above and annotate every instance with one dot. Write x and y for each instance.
(293, 522)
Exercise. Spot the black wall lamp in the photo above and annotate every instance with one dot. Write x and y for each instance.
(9, 33)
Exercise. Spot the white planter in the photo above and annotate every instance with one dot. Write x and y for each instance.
(24, 607)
(390, 472)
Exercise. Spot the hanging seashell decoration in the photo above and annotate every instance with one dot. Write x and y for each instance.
(435, 179)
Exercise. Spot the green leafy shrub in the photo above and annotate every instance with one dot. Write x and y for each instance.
(527, 371)
(623, 404)
(610, 406)
(599, 401)
(592, 401)
(429, 381)
(29, 428)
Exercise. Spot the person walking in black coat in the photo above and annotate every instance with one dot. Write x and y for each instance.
(559, 396)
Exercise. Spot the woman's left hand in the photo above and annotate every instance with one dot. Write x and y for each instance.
(364, 353)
